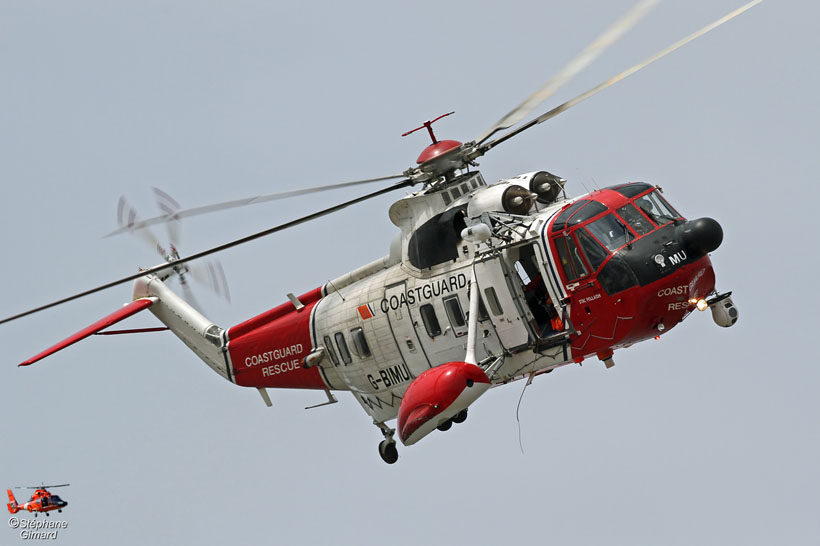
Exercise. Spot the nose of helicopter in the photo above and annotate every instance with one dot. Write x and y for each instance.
(701, 236)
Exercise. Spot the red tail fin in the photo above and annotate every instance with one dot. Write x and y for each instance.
(13, 504)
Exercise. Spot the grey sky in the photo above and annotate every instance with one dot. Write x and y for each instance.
(707, 436)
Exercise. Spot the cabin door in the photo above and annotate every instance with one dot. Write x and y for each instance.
(497, 295)
(404, 329)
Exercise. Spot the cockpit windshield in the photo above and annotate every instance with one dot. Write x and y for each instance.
(589, 235)
(635, 219)
(656, 207)
(611, 232)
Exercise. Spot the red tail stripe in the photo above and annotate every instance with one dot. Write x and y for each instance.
(268, 316)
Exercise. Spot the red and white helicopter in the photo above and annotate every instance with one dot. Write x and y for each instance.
(484, 284)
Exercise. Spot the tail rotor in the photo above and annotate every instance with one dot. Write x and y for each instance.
(209, 273)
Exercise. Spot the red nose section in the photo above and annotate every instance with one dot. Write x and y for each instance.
(432, 392)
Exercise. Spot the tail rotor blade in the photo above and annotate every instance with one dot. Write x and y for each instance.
(188, 294)
(211, 274)
(169, 208)
(127, 218)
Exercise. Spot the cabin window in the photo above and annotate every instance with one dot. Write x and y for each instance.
(455, 314)
(436, 240)
(656, 208)
(492, 301)
(571, 261)
(595, 253)
(482, 310)
(635, 219)
(331, 351)
(343, 351)
(610, 232)
(360, 343)
(522, 273)
(430, 320)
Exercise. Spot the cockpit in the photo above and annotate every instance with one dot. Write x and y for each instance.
(590, 234)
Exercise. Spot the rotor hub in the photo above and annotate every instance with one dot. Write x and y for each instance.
(438, 149)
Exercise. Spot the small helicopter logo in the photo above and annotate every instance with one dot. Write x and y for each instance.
(41, 501)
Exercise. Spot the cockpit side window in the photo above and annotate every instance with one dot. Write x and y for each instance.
(656, 207)
(596, 254)
(610, 232)
(570, 256)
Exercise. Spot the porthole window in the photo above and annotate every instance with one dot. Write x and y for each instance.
(331, 351)
(430, 320)
(360, 343)
(342, 345)
(454, 312)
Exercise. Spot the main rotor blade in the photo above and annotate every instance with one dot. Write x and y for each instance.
(236, 242)
(618, 77)
(576, 65)
(184, 213)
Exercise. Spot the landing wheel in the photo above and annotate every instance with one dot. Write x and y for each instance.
(445, 425)
(388, 452)
(460, 417)
(48, 515)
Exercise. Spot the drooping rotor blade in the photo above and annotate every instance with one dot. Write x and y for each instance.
(41, 486)
(231, 244)
(618, 77)
(576, 65)
(184, 213)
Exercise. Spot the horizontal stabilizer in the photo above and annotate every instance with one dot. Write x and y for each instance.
(120, 314)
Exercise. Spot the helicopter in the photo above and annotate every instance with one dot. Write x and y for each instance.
(41, 500)
(484, 284)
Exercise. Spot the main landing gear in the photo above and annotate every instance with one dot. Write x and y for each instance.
(387, 447)
(388, 451)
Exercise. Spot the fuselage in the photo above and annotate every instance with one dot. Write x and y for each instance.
(569, 280)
